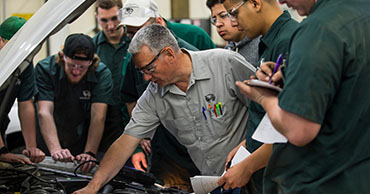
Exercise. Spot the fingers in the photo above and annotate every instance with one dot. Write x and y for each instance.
(63, 155)
(145, 144)
(265, 71)
(139, 159)
(35, 154)
(81, 158)
(13, 158)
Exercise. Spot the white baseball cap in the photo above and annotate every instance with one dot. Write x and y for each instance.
(137, 12)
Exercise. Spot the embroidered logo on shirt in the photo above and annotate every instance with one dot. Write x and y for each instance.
(86, 95)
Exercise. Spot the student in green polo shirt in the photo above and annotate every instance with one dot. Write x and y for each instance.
(228, 30)
(74, 92)
(324, 107)
(23, 90)
(276, 28)
(111, 46)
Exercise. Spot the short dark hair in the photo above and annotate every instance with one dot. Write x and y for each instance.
(107, 4)
(211, 3)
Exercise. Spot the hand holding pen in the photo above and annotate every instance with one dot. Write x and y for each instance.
(269, 71)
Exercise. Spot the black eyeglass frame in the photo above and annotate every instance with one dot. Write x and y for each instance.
(146, 67)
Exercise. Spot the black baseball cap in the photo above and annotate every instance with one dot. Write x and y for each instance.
(77, 44)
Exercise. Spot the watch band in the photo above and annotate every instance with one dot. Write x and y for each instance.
(91, 154)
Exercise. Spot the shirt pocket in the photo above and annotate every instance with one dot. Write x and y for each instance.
(182, 129)
(219, 124)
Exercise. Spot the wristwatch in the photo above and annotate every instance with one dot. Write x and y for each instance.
(4, 150)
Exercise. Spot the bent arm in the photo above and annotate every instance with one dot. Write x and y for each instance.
(96, 128)
(298, 130)
(130, 106)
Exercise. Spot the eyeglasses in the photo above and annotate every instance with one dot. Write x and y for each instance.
(150, 67)
(233, 13)
(106, 20)
(77, 66)
(222, 16)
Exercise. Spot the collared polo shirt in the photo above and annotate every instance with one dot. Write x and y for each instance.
(192, 34)
(164, 143)
(275, 42)
(327, 82)
(72, 102)
(208, 135)
(113, 56)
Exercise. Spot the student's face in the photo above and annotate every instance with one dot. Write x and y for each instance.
(246, 18)
(158, 71)
(2, 42)
(131, 30)
(76, 69)
(303, 7)
(227, 29)
(108, 20)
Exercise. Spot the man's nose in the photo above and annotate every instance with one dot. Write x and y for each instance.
(147, 77)
(111, 25)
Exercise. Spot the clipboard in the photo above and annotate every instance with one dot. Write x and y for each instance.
(258, 83)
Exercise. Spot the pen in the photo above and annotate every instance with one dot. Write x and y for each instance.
(220, 106)
(214, 109)
(218, 109)
(204, 112)
(279, 61)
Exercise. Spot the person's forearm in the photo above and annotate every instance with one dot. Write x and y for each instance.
(113, 160)
(259, 158)
(49, 132)
(96, 128)
(130, 106)
(298, 130)
(26, 114)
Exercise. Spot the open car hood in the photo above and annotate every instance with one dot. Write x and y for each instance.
(48, 20)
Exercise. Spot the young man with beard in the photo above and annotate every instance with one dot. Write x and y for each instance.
(74, 90)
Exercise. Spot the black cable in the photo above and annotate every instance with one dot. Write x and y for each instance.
(29, 174)
(82, 163)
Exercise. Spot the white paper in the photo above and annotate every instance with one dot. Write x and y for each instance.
(266, 133)
(204, 184)
(240, 155)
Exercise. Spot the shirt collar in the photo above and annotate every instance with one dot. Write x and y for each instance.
(274, 30)
(102, 39)
(200, 71)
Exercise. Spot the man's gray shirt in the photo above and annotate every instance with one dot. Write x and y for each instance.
(208, 138)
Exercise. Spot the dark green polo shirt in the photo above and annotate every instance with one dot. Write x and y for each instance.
(72, 102)
(327, 82)
(275, 42)
(192, 34)
(23, 90)
(113, 56)
(163, 143)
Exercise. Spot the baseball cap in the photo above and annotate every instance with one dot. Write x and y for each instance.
(77, 44)
(137, 12)
(10, 26)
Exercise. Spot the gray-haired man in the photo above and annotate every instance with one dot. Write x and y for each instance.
(178, 96)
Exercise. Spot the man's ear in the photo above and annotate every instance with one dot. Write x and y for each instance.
(159, 20)
(256, 4)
